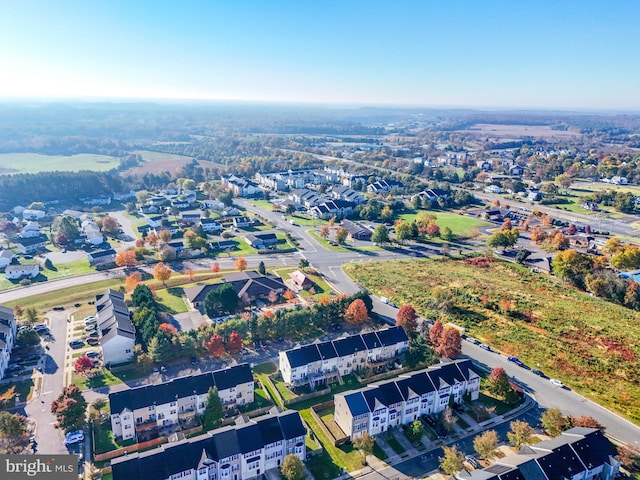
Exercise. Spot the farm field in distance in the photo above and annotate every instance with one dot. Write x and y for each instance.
(590, 344)
(35, 162)
(461, 225)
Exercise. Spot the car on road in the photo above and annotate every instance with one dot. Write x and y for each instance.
(74, 437)
(473, 340)
(484, 346)
(76, 344)
(556, 382)
(540, 373)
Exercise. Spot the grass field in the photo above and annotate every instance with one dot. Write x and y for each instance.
(34, 162)
(461, 225)
(156, 161)
(591, 345)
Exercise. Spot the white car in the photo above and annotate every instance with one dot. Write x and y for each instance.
(556, 382)
(73, 437)
(91, 327)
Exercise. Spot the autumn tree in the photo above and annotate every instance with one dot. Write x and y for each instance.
(133, 280)
(289, 295)
(83, 364)
(190, 272)
(234, 343)
(629, 456)
(110, 225)
(435, 333)
(69, 409)
(341, 235)
(14, 437)
(215, 345)
(453, 460)
(499, 384)
(572, 266)
(215, 267)
(273, 296)
(486, 444)
(240, 264)
(506, 224)
(450, 343)
(292, 468)
(152, 239)
(168, 328)
(586, 421)
(554, 422)
(357, 312)
(521, 434)
(162, 272)
(324, 232)
(407, 318)
(364, 443)
(504, 238)
(7, 396)
(126, 258)
(164, 235)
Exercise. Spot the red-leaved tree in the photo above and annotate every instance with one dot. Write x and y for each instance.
(450, 343)
(407, 318)
(435, 333)
(215, 345)
(83, 364)
(167, 327)
(234, 343)
(356, 312)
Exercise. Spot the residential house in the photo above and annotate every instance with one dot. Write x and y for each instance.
(16, 272)
(261, 240)
(209, 225)
(151, 408)
(380, 406)
(119, 197)
(31, 244)
(30, 230)
(347, 194)
(249, 286)
(356, 230)
(190, 217)
(241, 187)
(301, 280)
(305, 198)
(91, 231)
(332, 208)
(312, 364)
(236, 452)
(99, 200)
(242, 222)
(493, 189)
(384, 186)
(32, 214)
(6, 257)
(102, 257)
(176, 245)
(115, 328)
(8, 332)
(577, 454)
(431, 195)
(516, 170)
(155, 221)
(616, 180)
(226, 245)
(212, 204)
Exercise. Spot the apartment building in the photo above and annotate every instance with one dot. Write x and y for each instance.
(146, 410)
(237, 452)
(380, 406)
(322, 362)
(115, 328)
(8, 332)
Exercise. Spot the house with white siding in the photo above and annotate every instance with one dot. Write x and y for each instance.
(8, 332)
(16, 272)
(237, 452)
(323, 362)
(380, 406)
(115, 328)
(148, 409)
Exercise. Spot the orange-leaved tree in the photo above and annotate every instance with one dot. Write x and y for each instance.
(132, 281)
(357, 312)
(162, 272)
(241, 264)
(126, 258)
(407, 318)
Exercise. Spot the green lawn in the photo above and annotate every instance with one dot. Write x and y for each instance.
(284, 392)
(263, 204)
(35, 162)
(24, 389)
(104, 441)
(571, 336)
(306, 221)
(79, 267)
(461, 225)
(106, 378)
(378, 452)
(172, 299)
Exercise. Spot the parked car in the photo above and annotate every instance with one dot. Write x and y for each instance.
(92, 354)
(74, 437)
(471, 460)
(556, 382)
(484, 346)
(93, 341)
(540, 373)
(76, 344)
(91, 327)
(40, 327)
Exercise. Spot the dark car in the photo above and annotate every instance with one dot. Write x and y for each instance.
(76, 344)
(540, 373)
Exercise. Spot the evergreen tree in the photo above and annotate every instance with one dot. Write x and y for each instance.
(213, 411)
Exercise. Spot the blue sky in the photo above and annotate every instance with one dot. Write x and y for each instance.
(535, 54)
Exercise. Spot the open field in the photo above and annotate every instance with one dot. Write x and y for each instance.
(157, 161)
(461, 225)
(509, 132)
(591, 345)
(35, 162)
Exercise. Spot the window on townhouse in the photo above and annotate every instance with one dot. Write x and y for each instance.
(127, 427)
(139, 420)
(239, 395)
(173, 404)
(160, 416)
(173, 412)
(128, 350)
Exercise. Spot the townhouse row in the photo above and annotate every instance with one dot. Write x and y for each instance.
(380, 406)
(237, 452)
(146, 410)
(322, 362)
(8, 333)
